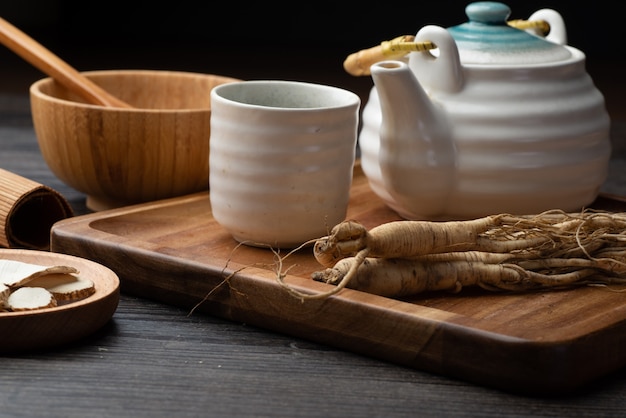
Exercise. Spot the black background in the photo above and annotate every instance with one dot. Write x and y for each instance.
(297, 40)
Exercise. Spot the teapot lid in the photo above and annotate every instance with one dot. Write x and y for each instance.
(488, 39)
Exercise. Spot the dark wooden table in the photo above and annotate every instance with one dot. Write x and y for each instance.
(156, 360)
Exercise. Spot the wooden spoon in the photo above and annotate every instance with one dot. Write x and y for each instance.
(36, 54)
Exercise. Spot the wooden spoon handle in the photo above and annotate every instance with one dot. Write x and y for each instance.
(40, 57)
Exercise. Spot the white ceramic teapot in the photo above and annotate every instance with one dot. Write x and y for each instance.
(496, 120)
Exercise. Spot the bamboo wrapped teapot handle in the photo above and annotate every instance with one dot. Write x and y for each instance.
(359, 63)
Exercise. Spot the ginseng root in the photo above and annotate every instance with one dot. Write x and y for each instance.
(402, 239)
(553, 249)
(406, 277)
(552, 233)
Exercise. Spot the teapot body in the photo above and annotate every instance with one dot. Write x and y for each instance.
(527, 138)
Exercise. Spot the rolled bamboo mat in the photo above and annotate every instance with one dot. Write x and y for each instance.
(27, 212)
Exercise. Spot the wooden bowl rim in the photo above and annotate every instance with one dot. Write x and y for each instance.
(35, 89)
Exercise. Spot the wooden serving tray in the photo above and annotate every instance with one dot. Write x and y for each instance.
(173, 251)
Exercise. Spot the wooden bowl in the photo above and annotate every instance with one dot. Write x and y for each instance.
(117, 157)
(49, 327)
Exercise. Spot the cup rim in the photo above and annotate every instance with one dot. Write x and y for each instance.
(343, 98)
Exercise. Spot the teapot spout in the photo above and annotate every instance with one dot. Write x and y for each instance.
(417, 155)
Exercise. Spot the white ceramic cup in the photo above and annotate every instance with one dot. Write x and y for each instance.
(281, 159)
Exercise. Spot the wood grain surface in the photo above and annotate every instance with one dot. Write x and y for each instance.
(173, 251)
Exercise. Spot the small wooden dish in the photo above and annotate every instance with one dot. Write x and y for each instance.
(45, 328)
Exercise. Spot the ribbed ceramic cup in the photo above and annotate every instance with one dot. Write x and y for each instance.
(281, 159)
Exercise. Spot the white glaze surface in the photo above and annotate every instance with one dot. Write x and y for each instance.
(526, 139)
